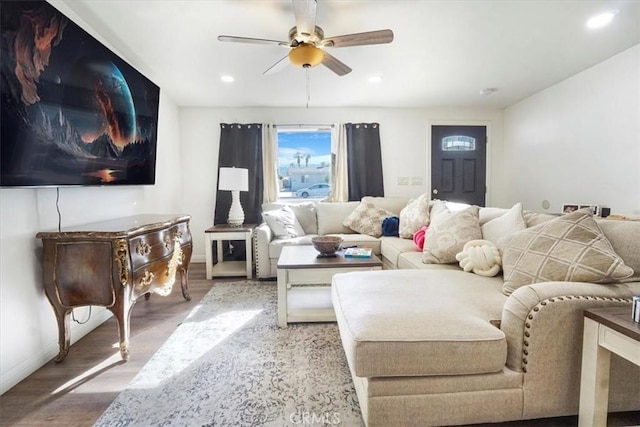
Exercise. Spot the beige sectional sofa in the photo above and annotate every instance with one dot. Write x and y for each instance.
(320, 218)
(432, 345)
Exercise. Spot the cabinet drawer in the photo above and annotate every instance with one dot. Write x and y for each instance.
(156, 276)
(157, 244)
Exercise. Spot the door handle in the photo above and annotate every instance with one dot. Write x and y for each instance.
(435, 191)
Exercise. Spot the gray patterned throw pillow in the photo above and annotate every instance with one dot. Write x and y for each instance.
(570, 248)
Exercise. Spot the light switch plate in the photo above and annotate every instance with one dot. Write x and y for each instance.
(403, 180)
(416, 180)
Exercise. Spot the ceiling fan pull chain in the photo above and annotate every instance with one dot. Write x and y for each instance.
(308, 71)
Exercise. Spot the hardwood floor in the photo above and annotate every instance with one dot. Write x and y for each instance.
(77, 391)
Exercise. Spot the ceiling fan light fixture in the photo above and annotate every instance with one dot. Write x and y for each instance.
(306, 55)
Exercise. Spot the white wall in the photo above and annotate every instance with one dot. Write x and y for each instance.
(28, 329)
(404, 135)
(579, 141)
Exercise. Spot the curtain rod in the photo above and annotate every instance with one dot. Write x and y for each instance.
(298, 125)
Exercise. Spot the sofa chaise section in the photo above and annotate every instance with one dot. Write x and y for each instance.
(457, 377)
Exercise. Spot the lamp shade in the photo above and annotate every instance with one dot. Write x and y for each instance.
(233, 179)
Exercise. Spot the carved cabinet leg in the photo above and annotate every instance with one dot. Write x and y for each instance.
(184, 283)
(62, 316)
(122, 312)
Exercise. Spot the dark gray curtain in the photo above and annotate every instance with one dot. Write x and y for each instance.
(241, 147)
(364, 160)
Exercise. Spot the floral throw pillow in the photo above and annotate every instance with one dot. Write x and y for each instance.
(448, 233)
(367, 219)
(414, 215)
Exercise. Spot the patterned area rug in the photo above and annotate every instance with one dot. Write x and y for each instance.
(229, 364)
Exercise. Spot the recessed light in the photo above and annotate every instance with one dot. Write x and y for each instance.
(227, 78)
(488, 90)
(601, 19)
(375, 79)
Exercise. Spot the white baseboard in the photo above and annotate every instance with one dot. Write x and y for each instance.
(36, 361)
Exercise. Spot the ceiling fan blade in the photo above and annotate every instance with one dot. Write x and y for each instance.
(305, 11)
(277, 67)
(335, 65)
(359, 39)
(251, 40)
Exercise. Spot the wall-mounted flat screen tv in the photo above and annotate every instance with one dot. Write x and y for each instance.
(73, 112)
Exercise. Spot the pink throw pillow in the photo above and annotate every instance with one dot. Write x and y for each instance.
(418, 237)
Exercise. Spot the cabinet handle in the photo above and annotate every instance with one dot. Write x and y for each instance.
(143, 249)
(147, 278)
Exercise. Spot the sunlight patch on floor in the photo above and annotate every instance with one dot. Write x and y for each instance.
(114, 359)
(191, 341)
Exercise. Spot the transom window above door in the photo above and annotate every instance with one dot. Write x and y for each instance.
(458, 143)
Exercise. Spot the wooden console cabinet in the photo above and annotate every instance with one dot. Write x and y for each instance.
(111, 264)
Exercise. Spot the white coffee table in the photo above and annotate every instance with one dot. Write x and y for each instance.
(304, 282)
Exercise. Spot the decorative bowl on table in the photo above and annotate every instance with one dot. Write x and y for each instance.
(327, 245)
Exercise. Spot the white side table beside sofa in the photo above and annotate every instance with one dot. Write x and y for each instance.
(224, 232)
(606, 331)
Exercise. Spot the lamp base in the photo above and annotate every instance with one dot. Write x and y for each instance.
(236, 214)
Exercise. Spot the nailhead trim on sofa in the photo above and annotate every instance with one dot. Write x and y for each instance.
(254, 239)
(541, 304)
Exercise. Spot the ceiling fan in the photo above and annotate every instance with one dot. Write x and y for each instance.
(307, 42)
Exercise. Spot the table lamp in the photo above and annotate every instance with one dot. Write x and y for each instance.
(234, 180)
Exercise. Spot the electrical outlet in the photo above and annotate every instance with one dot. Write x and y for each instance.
(403, 180)
(416, 180)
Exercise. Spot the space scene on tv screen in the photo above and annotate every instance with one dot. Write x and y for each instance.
(73, 112)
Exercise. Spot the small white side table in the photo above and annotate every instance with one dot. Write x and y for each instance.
(606, 331)
(223, 232)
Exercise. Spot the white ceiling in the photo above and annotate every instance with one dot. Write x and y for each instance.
(443, 54)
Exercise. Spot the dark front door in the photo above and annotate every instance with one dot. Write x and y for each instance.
(458, 163)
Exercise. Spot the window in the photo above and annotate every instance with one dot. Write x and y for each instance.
(458, 143)
(304, 163)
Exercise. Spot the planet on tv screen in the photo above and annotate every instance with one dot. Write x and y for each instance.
(73, 112)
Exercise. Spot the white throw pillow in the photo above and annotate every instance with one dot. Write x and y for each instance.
(283, 223)
(438, 210)
(481, 257)
(505, 225)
